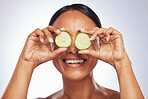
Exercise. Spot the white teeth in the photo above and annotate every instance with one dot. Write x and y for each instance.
(74, 61)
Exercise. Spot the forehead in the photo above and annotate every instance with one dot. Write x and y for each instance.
(74, 20)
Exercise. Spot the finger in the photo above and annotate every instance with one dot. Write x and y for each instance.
(33, 36)
(56, 52)
(99, 33)
(109, 32)
(40, 34)
(48, 35)
(53, 29)
(104, 41)
(115, 34)
(62, 29)
(90, 52)
(113, 37)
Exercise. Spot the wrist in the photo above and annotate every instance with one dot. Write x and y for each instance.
(29, 65)
(123, 63)
(28, 60)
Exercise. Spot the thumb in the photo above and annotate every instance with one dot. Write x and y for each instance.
(90, 52)
(57, 52)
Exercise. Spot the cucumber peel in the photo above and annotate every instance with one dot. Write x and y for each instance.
(63, 39)
(82, 41)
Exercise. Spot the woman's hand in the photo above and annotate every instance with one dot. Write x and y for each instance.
(111, 46)
(38, 49)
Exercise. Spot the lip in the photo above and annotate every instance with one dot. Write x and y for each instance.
(74, 65)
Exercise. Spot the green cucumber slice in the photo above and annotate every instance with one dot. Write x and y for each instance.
(63, 39)
(82, 41)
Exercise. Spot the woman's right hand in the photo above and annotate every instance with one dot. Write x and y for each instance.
(37, 48)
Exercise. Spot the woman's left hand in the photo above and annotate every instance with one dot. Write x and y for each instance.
(111, 46)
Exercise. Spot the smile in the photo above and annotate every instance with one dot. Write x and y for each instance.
(73, 63)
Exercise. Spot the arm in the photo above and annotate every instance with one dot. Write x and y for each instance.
(18, 85)
(112, 51)
(129, 88)
(36, 51)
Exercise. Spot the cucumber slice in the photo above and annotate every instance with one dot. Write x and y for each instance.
(82, 41)
(63, 39)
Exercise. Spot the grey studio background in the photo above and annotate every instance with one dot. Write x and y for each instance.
(19, 18)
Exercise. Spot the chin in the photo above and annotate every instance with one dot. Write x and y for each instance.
(75, 68)
(75, 75)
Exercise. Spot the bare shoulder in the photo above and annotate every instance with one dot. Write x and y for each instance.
(108, 93)
(113, 94)
(56, 95)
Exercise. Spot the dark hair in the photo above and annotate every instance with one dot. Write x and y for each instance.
(80, 7)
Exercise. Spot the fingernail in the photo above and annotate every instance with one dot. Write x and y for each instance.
(58, 31)
(81, 52)
(107, 39)
(91, 38)
(62, 28)
(51, 40)
(64, 49)
(82, 29)
(42, 40)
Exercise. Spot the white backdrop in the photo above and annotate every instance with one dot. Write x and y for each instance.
(19, 18)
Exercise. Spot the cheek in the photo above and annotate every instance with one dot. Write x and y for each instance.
(92, 60)
(57, 63)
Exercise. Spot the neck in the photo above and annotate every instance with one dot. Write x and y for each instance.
(79, 89)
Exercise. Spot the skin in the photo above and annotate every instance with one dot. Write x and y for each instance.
(78, 83)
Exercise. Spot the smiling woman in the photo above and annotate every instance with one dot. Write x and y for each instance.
(75, 66)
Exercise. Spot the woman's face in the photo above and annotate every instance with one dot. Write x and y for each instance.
(73, 21)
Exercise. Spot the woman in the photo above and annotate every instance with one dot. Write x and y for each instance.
(78, 81)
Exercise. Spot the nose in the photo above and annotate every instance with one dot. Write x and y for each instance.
(72, 48)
